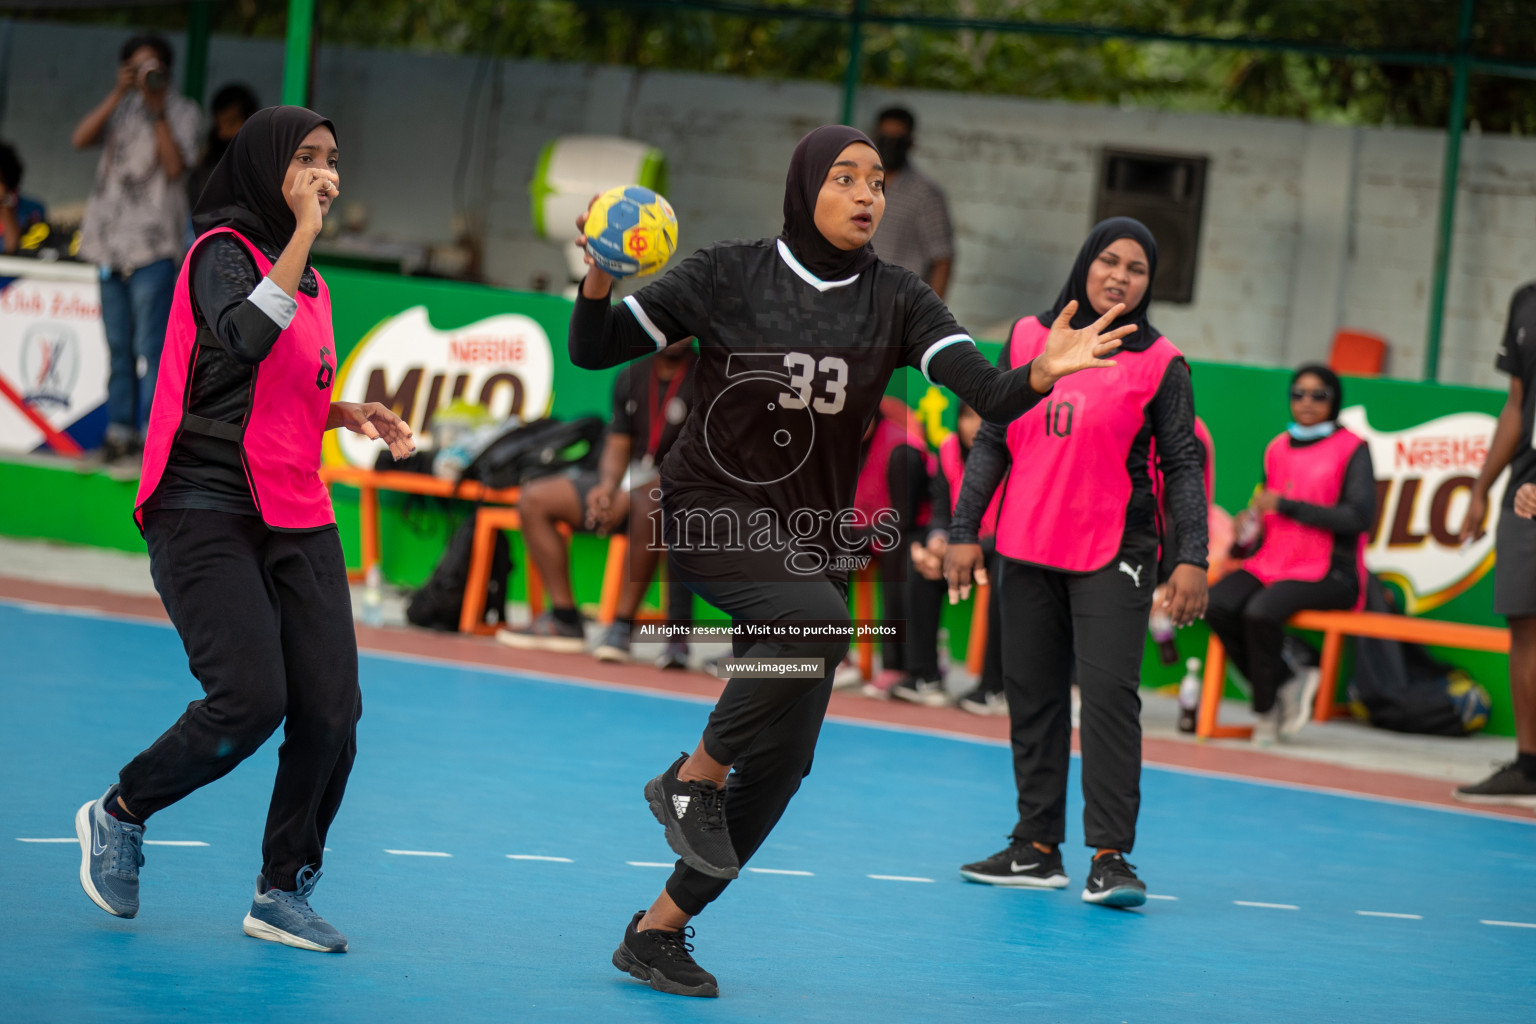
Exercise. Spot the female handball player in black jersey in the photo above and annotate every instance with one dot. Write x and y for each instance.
(798, 337)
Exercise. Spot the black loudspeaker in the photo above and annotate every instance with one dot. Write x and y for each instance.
(1166, 192)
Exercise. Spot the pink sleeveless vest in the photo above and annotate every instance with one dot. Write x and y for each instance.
(1315, 475)
(874, 490)
(953, 468)
(285, 421)
(1065, 498)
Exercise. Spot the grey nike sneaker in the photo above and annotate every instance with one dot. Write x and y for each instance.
(614, 645)
(287, 917)
(111, 853)
(1021, 864)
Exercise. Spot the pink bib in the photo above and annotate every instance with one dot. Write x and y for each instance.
(1313, 474)
(284, 423)
(953, 468)
(874, 489)
(1066, 495)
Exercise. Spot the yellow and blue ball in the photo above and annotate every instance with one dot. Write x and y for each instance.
(631, 231)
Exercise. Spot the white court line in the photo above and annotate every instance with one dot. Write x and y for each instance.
(898, 878)
(418, 853)
(1159, 896)
(1509, 924)
(23, 839)
(1267, 906)
(173, 842)
(781, 871)
(648, 864)
(1383, 913)
(535, 856)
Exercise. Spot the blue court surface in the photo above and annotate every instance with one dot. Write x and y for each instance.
(494, 843)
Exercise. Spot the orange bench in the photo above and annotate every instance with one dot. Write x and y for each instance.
(864, 610)
(1335, 626)
(369, 482)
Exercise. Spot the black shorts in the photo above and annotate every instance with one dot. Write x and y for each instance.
(1514, 574)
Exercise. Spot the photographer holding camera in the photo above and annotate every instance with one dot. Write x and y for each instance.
(135, 224)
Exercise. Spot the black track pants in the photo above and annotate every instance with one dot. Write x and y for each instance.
(1249, 619)
(765, 729)
(266, 620)
(1055, 622)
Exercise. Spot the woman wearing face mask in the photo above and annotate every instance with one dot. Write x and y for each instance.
(1316, 508)
(242, 541)
(798, 337)
(1077, 540)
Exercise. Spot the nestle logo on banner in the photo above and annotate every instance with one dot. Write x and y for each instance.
(1424, 478)
(50, 365)
(502, 362)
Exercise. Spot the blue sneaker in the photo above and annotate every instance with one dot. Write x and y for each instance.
(287, 917)
(111, 853)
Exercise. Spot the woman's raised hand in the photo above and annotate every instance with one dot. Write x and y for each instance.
(598, 282)
(1068, 350)
(308, 186)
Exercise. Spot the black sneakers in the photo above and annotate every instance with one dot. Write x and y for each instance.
(693, 813)
(1508, 785)
(1113, 883)
(664, 961)
(1021, 864)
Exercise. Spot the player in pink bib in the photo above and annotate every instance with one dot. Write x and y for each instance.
(1077, 542)
(1317, 505)
(242, 541)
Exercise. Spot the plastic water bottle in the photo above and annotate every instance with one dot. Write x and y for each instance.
(1161, 627)
(373, 598)
(1189, 695)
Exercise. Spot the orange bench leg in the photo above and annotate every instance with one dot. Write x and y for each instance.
(472, 610)
(368, 519)
(1213, 685)
(976, 649)
(613, 578)
(864, 610)
(1328, 671)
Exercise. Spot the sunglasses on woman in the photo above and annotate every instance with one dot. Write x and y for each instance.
(1316, 394)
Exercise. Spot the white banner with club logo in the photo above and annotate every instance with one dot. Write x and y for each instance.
(53, 352)
(502, 362)
(1424, 477)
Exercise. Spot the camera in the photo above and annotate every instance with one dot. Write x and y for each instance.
(154, 77)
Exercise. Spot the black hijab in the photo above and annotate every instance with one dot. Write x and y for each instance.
(1103, 235)
(1330, 381)
(245, 190)
(808, 169)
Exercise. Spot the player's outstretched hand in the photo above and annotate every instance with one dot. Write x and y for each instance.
(598, 282)
(1068, 350)
(964, 563)
(1185, 595)
(375, 421)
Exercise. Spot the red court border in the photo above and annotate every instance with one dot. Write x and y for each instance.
(1203, 758)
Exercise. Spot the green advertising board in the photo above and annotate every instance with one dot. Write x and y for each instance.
(1425, 440)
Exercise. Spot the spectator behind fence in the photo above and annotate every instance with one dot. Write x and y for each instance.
(136, 223)
(17, 212)
(231, 107)
(915, 232)
(651, 401)
(1316, 506)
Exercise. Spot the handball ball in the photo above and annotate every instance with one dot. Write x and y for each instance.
(631, 231)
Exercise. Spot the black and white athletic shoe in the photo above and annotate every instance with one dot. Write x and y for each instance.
(1113, 883)
(693, 813)
(1508, 785)
(1022, 864)
(664, 961)
(674, 657)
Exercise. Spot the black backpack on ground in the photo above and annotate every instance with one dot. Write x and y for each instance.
(437, 604)
(1402, 687)
(537, 449)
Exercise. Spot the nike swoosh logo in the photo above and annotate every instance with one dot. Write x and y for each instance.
(97, 846)
(1017, 867)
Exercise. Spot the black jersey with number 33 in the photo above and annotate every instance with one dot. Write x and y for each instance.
(790, 369)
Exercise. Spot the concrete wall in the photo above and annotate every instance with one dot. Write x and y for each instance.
(1307, 227)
